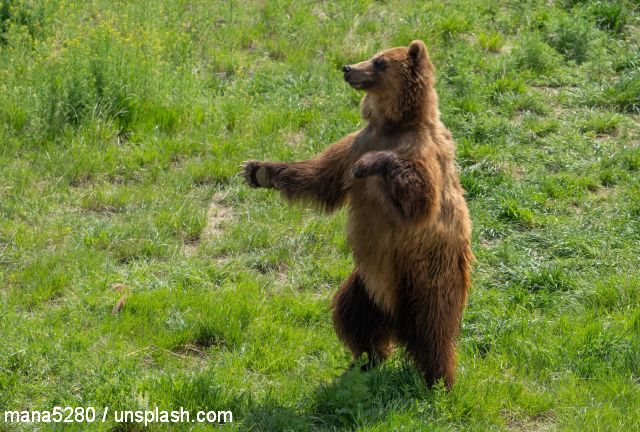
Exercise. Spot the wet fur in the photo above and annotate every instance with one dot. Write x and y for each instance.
(408, 222)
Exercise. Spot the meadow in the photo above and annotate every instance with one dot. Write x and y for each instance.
(136, 270)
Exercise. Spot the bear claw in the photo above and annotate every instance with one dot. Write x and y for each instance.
(249, 169)
(255, 174)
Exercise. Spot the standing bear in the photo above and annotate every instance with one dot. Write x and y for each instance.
(408, 223)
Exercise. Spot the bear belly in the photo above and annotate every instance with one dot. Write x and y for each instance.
(373, 240)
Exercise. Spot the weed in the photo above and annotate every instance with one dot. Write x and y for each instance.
(610, 15)
(570, 36)
(624, 95)
(492, 42)
(535, 55)
(601, 123)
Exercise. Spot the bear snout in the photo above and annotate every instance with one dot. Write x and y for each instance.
(346, 70)
(357, 78)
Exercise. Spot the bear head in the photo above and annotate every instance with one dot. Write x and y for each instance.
(399, 86)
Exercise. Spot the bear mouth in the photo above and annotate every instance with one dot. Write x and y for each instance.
(358, 84)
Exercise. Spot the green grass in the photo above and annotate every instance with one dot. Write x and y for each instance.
(492, 42)
(121, 122)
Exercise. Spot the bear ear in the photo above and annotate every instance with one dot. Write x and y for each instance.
(417, 51)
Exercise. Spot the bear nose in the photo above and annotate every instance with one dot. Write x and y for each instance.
(346, 69)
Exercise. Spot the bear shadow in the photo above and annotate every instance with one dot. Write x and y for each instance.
(351, 400)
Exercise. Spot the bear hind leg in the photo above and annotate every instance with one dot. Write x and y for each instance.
(435, 360)
(428, 330)
(360, 324)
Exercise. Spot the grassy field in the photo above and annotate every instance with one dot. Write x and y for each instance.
(122, 126)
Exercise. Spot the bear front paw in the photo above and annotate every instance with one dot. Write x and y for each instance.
(360, 170)
(372, 163)
(255, 174)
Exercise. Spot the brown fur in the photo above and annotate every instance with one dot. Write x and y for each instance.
(408, 221)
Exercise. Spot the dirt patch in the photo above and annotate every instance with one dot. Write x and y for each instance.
(517, 172)
(538, 423)
(547, 90)
(294, 139)
(217, 215)
(603, 193)
(190, 349)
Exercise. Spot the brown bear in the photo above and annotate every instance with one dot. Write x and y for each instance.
(408, 222)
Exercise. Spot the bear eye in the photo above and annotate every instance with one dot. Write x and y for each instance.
(378, 63)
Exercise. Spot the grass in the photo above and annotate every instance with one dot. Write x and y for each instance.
(611, 16)
(121, 130)
(492, 42)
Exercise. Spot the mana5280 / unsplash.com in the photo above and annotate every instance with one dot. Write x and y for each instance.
(91, 415)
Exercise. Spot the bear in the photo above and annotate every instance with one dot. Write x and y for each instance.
(408, 224)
